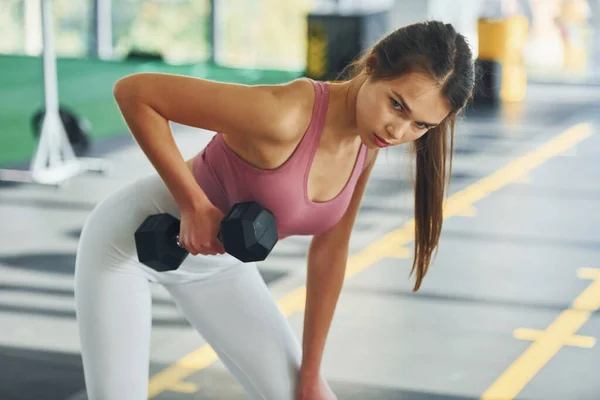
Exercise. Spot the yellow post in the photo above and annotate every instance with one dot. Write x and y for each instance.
(503, 40)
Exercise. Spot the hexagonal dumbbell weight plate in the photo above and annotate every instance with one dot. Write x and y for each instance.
(249, 231)
(156, 243)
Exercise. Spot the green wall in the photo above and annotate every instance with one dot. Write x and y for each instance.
(85, 86)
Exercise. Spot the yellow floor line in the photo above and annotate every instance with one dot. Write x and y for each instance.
(548, 342)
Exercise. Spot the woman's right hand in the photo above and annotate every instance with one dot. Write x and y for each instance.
(199, 229)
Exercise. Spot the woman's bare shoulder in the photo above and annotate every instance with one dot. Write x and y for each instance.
(296, 106)
(260, 111)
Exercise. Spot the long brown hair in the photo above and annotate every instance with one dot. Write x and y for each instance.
(437, 49)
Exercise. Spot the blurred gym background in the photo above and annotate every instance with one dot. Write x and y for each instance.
(98, 41)
(507, 263)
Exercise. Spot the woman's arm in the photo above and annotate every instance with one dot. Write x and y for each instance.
(152, 133)
(148, 101)
(328, 253)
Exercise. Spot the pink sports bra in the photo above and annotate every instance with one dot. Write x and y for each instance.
(226, 179)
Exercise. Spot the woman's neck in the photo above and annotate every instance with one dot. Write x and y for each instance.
(341, 115)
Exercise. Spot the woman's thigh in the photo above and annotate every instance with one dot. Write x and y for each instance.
(234, 311)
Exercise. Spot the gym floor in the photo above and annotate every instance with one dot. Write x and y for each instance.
(507, 311)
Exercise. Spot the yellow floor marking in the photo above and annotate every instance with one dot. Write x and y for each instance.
(589, 299)
(171, 378)
(524, 179)
(548, 343)
(293, 301)
(389, 245)
(588, 273)
(575, 340)
(468, 211)
(400, 252)
(184, 387)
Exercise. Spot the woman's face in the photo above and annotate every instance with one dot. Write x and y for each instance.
(393, 112)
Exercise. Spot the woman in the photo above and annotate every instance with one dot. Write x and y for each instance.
(304, 150)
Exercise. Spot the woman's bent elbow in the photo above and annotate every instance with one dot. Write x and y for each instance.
(124, 88)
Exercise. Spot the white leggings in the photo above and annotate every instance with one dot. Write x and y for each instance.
(225, 300)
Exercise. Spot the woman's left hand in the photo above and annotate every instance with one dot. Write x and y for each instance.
(314, 389)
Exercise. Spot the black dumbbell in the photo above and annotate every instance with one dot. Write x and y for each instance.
(248, 232)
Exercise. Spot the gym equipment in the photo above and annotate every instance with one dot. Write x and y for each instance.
(489, 83)
(54, 160)
(248, 232)
(142, 55)
(77, 128)
(502, 76)
(338, 35)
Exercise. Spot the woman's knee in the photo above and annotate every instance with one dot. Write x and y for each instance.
(282, 387)
(266, 383)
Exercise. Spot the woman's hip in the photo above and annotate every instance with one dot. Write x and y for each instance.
(108, 235)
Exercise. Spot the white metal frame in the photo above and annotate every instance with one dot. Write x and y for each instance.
(54, 161)
(102, 34)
